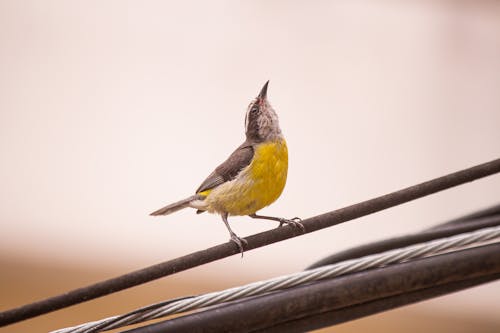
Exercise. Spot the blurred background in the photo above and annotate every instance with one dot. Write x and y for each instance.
(112, 109)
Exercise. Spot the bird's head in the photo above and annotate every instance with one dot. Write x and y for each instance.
(261, 122)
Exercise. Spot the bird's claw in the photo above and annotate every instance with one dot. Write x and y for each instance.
(239, 242)
(295, 222)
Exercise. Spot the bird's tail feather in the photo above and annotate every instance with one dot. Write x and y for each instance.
(169, 209)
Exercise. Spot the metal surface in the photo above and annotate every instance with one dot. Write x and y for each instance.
(351, 296)
(265, 238)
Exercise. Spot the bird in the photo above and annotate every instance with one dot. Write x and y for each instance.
(251, 178)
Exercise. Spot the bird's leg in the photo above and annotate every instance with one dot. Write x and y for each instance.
(296, 221)
(239, 241)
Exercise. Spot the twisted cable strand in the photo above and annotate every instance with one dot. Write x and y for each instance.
(412, 252)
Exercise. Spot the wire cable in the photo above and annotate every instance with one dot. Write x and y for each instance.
(405, 254)
(332, 301)
(485, 218)
(255, 241)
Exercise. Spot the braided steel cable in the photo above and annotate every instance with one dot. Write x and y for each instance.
(333, 301)
(432, 248)
(485, 218)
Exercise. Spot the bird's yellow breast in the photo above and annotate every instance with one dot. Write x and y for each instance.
(257, 185)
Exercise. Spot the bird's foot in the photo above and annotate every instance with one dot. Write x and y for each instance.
(239, 242)
(295, 222)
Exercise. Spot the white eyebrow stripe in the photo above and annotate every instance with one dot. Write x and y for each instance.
(246, 120)
(246, 114)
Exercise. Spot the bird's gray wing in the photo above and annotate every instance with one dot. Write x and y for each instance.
(228, 170)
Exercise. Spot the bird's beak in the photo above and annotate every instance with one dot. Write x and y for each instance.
(263, 92)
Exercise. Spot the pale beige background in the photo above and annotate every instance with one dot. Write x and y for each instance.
(111, 109)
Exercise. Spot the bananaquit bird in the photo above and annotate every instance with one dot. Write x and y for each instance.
(251, 178)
